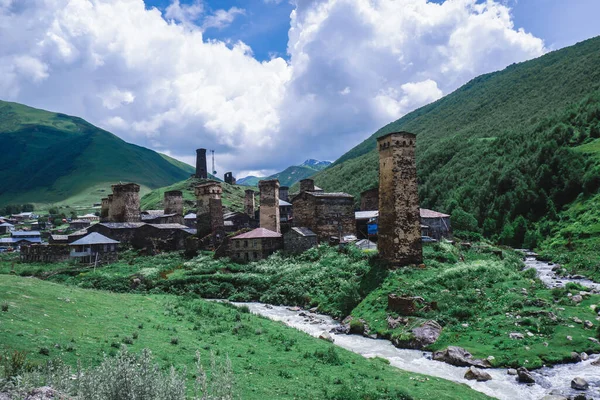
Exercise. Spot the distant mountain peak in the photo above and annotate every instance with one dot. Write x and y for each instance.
(316, 164)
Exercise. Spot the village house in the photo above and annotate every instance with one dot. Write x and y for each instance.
(89, 217)
(190, 220)
(78, 224)
(94, 248)
(6, 228)
(255, 245)
(297, 240)
(433, 224)
(19, 238)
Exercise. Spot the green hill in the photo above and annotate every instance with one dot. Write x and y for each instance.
(507, 153)
(290, 175)
(233, 195)
(49, 158)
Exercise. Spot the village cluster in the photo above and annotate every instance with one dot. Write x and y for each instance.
(389, 219)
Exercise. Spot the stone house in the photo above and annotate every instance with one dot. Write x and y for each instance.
(6, 228)
(436, 224)
(234, 221)
(44, 253)
(297, 240)
(326, 214)
(255, 245)
(78, 224)
(94, 248)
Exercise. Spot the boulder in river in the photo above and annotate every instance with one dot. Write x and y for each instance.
(596, 363)
(511, 371)
(326, 336)
(554, 397)
(474, 374)
(584, 356)
(579, 384)
(524, 376)
(426, 334)
(575, 357)
(459, 357)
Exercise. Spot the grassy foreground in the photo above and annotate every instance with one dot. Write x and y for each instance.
(481, 297)
(269, 360)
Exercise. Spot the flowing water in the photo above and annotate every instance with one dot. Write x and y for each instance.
(502, 385)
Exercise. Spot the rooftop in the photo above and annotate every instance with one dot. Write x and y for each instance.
(366, 214)
(334, 194)
(283, 203)
(304, 231)
(25, 233)
(425, 213)
(122, 225)
(168, 226)
(59, 237)
(6, 224)
(258, 233)
(93, 238)
(190, 216)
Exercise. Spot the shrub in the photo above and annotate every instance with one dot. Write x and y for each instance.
(128, 340)
(4, 307)
(44, 351)
(175, 340)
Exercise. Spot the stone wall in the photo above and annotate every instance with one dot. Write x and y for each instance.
(399, 236)
(295, 243)
(110, 217)
(269, 205)
(326, 214)
(284, 193)
(173, 204)
(125, 205)
(201, 170)
(45, 253)
(369, 200)
(249, 203)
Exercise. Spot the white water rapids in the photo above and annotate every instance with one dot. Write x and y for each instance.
(502, 386)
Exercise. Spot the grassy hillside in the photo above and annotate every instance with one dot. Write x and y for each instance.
(290, 175)
(233, 195)
(505, 153)
(49, 158)
(269, 360)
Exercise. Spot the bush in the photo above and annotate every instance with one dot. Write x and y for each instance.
(175, 340)
(5, 307)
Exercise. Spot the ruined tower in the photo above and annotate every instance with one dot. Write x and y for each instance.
(104, 210)
(125, 205)
(249, 204)
(229, 178)
(307, 185)
(369, 200)
(209, 217)
(173, 204)
(399, 234)
(269, 205)
(284, 193)
(201, 171)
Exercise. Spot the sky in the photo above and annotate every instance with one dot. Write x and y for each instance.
(265, 83)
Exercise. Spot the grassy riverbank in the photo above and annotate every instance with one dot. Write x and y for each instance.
(269, 360)
(482, 294)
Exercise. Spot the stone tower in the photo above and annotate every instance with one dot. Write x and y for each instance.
(173, 204)
(110, 217)
(369, 200)
(125, 203)
(209, 217)
(284, 193)
(269, 205)
(249, 204)
(201, 171)
(229, 178)
(399, 237)
(307, 185)
(104, 209)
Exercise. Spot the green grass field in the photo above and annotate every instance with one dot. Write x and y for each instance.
(269, 359)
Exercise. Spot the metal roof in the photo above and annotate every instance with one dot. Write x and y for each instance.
(12, 240)
(122, 225)
(258, 233)
(425, 213)
(335, 194)
(25, 233)
(366, 214)
(93, 238)
(168, 226)
(283, 203)
(304, 231)
(190, 216)
(59, 237)
(6, 224)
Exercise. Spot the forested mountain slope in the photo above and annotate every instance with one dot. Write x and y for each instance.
(50, 157)
(503, 152)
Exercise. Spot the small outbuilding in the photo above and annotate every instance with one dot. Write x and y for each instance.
(255, 245)
(94, 248)
(298, 240)
(78, 224)
(6, 228)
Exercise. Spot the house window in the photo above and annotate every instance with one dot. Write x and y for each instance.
(245, 243)
(255, 244)
(255, 255)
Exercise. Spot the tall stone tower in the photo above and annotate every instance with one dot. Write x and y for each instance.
(104, 209)
(269, 205)
(110, 217)
(125, 203)
(284, 193)
(249, 204)
(201, 171)
(399, 237)
(369, 200)
(173, 204)
(209, 217)
(307, 185)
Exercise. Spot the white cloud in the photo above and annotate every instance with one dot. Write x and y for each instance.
(153, 79)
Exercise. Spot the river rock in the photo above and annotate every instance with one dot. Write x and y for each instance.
(577, 320)
(393, 323)
(516, 335)
(524, 376)
(575, 357)
(579, 384)
(588, 324)
(474, 374)
(554, 397)
(593, 339)
(577, 298)
(511, 371)
(326, 336)
(596, 363)
(426, 334)
(459, 357)
(584, 356)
